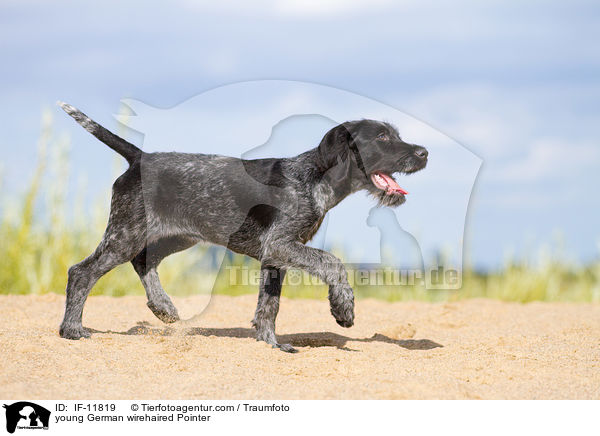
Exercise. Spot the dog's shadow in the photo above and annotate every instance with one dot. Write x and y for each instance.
(313, 340)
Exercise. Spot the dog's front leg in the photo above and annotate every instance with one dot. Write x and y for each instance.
(323, 265)
(271, 280)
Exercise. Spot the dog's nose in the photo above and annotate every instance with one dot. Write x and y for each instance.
(421, 152)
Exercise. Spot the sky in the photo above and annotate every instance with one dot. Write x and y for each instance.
(516, 83)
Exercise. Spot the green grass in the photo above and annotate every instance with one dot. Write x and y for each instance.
(42, 235)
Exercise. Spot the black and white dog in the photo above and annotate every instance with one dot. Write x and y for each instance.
(264, 208)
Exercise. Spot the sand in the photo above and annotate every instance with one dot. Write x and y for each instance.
(474, 349)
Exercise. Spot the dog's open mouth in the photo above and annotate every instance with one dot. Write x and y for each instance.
(386, 183)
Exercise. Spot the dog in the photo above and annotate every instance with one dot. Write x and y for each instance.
(264, 208)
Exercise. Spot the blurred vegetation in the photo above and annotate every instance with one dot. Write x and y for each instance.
(42, 234)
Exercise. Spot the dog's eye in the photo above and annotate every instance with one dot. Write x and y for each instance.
(383, 137)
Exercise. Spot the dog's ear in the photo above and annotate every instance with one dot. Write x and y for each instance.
(335, 145)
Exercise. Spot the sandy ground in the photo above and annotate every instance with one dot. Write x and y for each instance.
(469, 349)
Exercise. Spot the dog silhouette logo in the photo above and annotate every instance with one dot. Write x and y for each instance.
(26, 415)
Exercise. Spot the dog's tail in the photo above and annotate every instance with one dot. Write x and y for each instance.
(118, 144)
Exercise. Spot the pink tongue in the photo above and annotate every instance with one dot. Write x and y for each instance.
(391, 183)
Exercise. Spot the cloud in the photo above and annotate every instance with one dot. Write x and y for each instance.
(549, 159)
(312, 8)
(293, 8)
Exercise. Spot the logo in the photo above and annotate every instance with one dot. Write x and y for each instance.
(26, 415)
(422, 241)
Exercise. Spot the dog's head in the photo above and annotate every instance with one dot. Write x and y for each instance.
(365, 154)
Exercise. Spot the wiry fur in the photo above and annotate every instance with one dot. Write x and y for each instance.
(264, 208)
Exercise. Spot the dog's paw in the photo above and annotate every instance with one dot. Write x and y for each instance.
(344, 315)
(345, 322)
(268, 336)
(164, 310)
(74, 332)
(341, 301)
(285, 347)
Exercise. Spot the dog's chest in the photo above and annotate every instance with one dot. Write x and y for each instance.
(310, 229)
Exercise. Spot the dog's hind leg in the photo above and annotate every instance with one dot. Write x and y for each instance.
(124, 237)
(114, 250)
(271, 280)
(145, 264)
